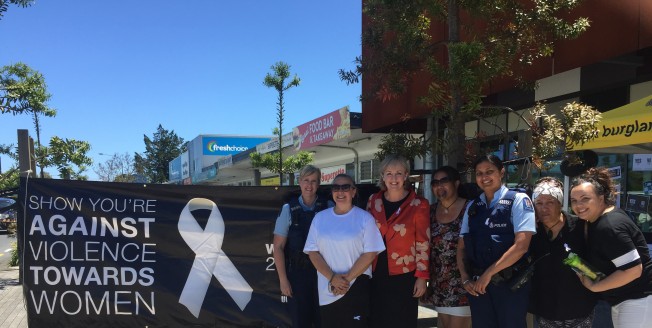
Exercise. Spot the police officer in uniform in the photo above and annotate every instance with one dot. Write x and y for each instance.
(297, 275)
(495, 236)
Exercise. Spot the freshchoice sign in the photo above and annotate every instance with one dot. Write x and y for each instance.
(223, 146)
(332, 126)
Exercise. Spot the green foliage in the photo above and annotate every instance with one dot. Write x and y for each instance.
(23, 90)
(4, 4)
(159, 152)
(271, 161)
(500, 38)
(10, 178)
(577, 125)
(274, 162)
(405, 145)
(14, 261)
(70, 157)
(281, 72)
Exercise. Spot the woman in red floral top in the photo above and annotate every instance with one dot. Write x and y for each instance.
(446, 291)
(400, 273)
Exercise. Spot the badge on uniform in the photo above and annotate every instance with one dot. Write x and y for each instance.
(527, 205)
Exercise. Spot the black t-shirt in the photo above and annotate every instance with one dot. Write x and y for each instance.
(557, 293)
(616, 243)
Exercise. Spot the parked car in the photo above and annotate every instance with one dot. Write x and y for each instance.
(7, 215)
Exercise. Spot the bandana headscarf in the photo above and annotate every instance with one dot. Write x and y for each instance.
(548, 188)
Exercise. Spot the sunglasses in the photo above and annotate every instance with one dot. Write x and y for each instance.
(342, 187)
(440, 182)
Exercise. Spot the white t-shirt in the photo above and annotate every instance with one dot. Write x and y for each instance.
(341, 240)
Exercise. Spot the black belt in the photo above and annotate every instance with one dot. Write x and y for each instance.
(506, 274)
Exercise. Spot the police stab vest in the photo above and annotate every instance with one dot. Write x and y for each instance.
(491, 232)
(300, 222)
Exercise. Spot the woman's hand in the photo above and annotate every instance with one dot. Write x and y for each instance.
(469, 286)
(586, 281)
(286, 288)
(340, 285)
(419, 287)
(480, 285)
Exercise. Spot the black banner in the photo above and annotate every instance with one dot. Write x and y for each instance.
(132, 255)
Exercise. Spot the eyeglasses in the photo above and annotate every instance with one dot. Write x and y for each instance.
(342, 187)
(442, 181)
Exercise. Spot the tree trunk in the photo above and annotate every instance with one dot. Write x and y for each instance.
(455, 137)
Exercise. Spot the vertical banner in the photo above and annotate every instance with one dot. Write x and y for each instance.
(99, 254)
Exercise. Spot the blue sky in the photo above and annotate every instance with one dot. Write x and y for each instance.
(118, 69)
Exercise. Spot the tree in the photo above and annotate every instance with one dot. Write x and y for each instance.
(402, 144)
(40, 151)
(576, 125)
(10, 178)
(274, 161)
(4, 4)
(23, 90)
(118, 168)
(496, 40)
(289, 165)
(159, 152)
(65, 154)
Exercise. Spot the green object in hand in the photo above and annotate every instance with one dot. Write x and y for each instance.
(580, 266)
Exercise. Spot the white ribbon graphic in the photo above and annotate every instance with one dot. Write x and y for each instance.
(210, 259)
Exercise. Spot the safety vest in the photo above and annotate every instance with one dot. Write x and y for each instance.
(491, 232)
(300, 222)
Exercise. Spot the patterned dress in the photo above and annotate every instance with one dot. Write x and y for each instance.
(445, 282)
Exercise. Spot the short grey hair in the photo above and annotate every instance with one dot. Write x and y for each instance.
(310, 170)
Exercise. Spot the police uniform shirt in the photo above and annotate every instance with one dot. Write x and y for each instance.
(522, 211)
(284, 219)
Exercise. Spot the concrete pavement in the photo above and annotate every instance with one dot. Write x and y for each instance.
(13, 313)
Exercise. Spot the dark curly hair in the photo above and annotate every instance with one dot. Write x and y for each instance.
(600, 179)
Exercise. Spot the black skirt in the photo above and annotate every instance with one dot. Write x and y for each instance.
(392, 303)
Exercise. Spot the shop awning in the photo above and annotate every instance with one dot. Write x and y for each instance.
(626, 129)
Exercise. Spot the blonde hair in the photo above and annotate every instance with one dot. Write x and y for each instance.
(389, 160)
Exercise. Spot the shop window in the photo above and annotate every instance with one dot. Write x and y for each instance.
(368, 171)
(639, 190)
(350, 170)
(606, 100)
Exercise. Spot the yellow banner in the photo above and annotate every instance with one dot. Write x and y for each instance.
(627, 125)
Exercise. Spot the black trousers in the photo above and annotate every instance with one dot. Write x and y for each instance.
(304, 303)
(350, 311)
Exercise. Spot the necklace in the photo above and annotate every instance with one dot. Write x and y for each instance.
(549, 233)
(449, 206)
